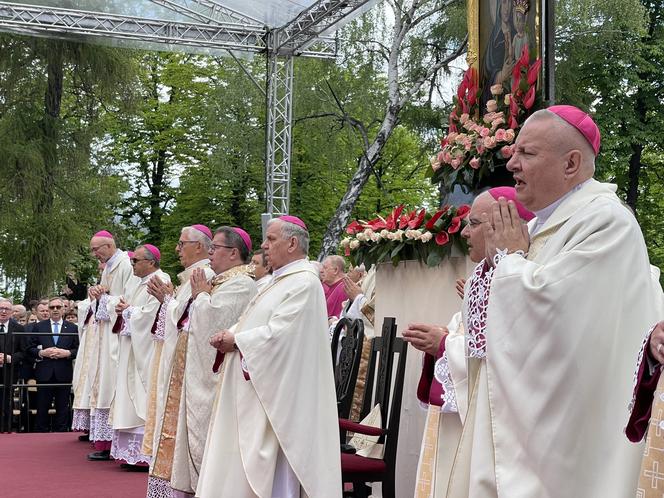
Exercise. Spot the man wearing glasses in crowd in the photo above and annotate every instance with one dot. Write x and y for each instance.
(54, 355)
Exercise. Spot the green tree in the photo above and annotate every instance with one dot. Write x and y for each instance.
(52, 196)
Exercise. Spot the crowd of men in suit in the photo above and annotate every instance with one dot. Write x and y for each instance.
(43, 358)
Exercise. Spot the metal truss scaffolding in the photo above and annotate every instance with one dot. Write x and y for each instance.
(209, 26)
(279, 114)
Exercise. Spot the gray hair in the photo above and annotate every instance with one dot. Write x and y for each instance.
(233, 239)
(337, 261)
(6, 300)
(148, 255)
(589, 156)
(198, 236)
(289, 230)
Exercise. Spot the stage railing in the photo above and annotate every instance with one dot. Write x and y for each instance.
(8, 384)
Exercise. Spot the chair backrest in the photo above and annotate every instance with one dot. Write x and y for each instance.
(385, 386)
(347, 341)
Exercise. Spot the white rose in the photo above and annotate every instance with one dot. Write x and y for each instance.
(375, 237)
(354, 244)
(398, 235)
(361, 237)
(426, 237)
(384, 233)
(345, 242)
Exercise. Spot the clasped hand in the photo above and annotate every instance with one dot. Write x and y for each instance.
(224, 341)
(504, 229)
(159, 289)
(55, 353)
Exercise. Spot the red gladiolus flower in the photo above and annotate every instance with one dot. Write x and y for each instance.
(416, 222)
(524, 60)
(347, 251)
(513, 123)
(529, 99)
(442, 238)
(533, 72)
(435, 218)
(403, 221)
(354, 228)
(455, 226)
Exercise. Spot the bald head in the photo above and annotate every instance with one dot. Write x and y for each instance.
(564, 136)
(550, 158)
(102, 248)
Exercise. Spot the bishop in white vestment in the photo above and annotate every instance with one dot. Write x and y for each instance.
(114, 279)
(217, 305)
(192, 248)
(274, 431)
(553, 334)
(138, 313)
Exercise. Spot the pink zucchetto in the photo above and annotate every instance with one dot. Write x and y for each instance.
(293, 219)
(244, 235)
(130, 254)
(103, 233)
(509, 193)
(581, 121)
(153, 249)
(203, 229)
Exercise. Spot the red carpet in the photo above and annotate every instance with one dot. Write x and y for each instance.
(55, 466)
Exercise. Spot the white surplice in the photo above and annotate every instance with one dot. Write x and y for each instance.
(219, 310)
(547, 403)
(135, 349)
(85, 365)
(115, 277)
(287, 405)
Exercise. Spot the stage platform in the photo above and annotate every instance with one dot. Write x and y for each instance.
(55, 466)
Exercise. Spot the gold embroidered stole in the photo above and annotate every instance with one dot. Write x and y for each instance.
(651, 476)
(426, 469)
(151, 413)
(163, 460)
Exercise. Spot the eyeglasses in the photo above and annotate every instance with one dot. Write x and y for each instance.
(55, 307)
(133, 261)
(219, 246)
(96, 248)
(183, 242)
(5, 310)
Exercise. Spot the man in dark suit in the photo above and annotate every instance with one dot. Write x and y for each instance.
(9, 353)
(54, 355)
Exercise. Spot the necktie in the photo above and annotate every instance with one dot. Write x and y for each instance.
(56, 326)
(2, 328)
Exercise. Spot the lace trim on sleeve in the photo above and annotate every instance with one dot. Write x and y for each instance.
(478, 302)
(160, 330)
(441, 373)
(102, 310)
(639, 361)
(126, 326)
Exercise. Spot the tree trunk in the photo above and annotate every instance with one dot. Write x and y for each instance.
(38, 274)
(366, 162)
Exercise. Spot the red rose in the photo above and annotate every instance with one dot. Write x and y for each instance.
(442, 238)
(455, 226)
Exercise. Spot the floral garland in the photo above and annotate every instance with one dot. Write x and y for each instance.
(477, 142)
(415, 235)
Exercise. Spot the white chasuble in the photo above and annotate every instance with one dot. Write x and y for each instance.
(164, 353)
(135, 349)
(287, 405)
(115, 279)
(85, 365)
(547, 410)
(232, 290)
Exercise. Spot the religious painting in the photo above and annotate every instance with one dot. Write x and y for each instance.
(499, 32)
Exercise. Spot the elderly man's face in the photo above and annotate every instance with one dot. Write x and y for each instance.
(329, 273)
(276, 248)
(188, 250)
(102, 248)
(538, 166)
(472, 232)
(5, 311)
